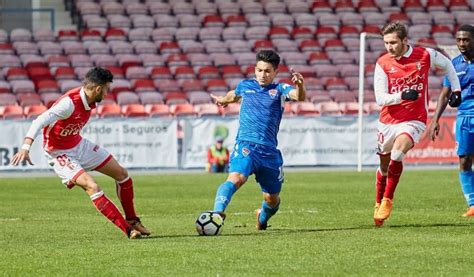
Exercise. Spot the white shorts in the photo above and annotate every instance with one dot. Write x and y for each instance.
(387, 133)
(69, 164)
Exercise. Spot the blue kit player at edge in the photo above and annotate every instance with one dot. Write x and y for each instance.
(464, 101)
(255, 150)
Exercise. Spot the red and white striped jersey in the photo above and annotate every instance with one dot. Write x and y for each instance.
(392, 76)
(63, 122)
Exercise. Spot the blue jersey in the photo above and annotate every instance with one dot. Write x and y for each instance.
(261, 110)
(465, 71)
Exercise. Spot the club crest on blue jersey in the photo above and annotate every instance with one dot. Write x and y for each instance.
(273, 93)
(245, 151)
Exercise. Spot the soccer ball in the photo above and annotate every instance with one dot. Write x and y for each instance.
(209, 224)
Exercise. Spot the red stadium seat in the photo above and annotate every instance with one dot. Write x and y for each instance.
(12, 112)
(158, 110)
(114, 34)
(304, 108)
(161, 72)
(236, 21)
(183, 110)
(213, 21)
(262, 44)
(329, 108)
(32, 111)
(109, 110)
(134, 110)
(172, 98)
(184, 72)
(169, 47)
(208, 72)
(350, 108)
(17, 73)
(207, 110)
(142, 85)
(279, 33)
(67, 35)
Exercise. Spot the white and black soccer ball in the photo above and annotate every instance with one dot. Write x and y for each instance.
(209, 224)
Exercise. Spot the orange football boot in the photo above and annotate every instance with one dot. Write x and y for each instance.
(470, 212)
(385, 209)
(378, 223)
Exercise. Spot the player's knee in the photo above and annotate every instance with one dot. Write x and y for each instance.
(272, 200)
(92, 188)
(397, 155)
(237, 179)
(121, 174)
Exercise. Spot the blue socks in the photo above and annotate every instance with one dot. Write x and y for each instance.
(467, 186)
(267, 212)
(223, 196)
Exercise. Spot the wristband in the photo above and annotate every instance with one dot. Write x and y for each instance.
(26, 147)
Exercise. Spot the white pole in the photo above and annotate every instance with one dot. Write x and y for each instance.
(361, 99)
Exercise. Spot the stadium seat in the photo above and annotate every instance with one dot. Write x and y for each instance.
(175, 97)
(7, 99)
(207, 110)
(205, 8)
(329, 108)
(127, 97)
(147, 98)
(350, 108)
(213, 85)
(109, 110)
(198, 97)
(143, 85)
(27, 99)
(50, 48)
(22, 86)
(66, 85)
(183, 110)
(134, 110)
(158, 110)
(192, 85)
(32, 111)
(304, 109)
(4, 87)
(12, 112)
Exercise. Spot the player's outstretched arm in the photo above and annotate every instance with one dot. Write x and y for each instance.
(298, 94)
(433, 129)
(223, 101)
(23, 154)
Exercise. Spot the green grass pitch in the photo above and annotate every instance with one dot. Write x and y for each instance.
(324, 227)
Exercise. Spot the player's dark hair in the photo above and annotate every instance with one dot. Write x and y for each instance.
(467, 28)
(269, 56)
(395, 27)
(98, 76)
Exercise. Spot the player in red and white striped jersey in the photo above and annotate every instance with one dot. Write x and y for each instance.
(401, 88)
(71, 155)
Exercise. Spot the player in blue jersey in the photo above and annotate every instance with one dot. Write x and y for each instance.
(465, 116)
(255, 150)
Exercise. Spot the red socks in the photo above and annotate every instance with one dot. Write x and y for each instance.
(395, 169)
(380, 183)
(125, 194)
(109, 210)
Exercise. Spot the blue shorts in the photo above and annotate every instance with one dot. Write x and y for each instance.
(266, 162)
(465, 135)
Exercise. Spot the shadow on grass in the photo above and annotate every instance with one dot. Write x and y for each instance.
(284, 231)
